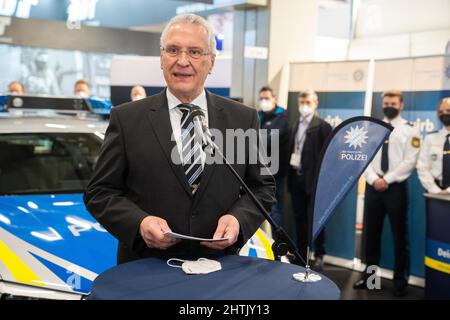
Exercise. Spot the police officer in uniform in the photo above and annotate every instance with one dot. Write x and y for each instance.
(433, 165)
(386, 192)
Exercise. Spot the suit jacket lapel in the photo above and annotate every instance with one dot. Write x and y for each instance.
(315, 122)
(215, 121)
(292, 138)
(160, 122)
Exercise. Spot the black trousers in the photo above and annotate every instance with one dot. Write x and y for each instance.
(301, 201)
(394, 202)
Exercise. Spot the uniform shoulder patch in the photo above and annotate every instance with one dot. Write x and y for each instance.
(415, 142)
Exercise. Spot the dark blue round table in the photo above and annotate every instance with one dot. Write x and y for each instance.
(241, 278)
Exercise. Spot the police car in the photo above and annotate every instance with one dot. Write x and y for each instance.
(50, 246)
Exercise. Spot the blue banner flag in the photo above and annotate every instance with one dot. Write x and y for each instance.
(344, 158)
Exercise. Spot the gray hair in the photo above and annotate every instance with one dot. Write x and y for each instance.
(308, 93)
(194, 19)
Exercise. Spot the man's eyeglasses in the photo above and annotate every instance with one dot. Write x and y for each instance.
(194, 53)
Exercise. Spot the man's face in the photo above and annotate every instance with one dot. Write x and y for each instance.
(15, 88)
(444, 108)
(137, 93)
(184, 75)
(310, 101)
(82, 90)
(267, 95)
(393, 102)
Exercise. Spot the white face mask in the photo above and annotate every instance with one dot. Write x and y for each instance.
(305, 110)
(81, 94)
(265, 105)
(200, 266)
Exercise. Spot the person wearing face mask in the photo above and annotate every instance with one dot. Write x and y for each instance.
(433, 165)
(137, 93)
(386, 192)
(274, 121)
(82, 89)
(306, 142)
(15, 87)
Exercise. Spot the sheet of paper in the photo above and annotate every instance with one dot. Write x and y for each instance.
(182, 236)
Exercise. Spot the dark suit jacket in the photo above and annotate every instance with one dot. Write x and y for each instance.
(277, 120)
(316, 136)
(135, 177)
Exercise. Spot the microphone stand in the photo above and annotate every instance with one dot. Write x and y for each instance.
(283, 242)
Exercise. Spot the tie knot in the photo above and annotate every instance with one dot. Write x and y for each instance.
(185, 106)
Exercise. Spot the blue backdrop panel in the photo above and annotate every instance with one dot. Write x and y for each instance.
(340, 230)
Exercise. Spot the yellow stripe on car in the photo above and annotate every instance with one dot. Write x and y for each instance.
(266, 244)
(19, 270)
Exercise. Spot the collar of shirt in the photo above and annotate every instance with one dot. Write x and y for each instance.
(200, 101)
(396, 121)
(444, 131)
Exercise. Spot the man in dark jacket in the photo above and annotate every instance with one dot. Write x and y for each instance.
(275, 130)
(153, 177)
(307, 140)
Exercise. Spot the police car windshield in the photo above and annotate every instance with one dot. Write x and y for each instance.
(43, 163)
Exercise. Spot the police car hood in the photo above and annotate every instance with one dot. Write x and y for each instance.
(52, 242)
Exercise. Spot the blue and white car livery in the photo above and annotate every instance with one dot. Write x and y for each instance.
(50, 246)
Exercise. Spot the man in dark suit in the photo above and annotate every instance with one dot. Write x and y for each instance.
(151, 178)
(307, 140)
(274, 122)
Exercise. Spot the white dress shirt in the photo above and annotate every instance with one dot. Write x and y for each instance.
(404, 146)
(175, 115)
(429, 165)
(300, 136)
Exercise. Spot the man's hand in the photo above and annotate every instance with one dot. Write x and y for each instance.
(227, 227)
(152, 230)
(444, 191)
(380, 185)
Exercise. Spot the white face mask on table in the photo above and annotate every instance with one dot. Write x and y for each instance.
(200, 266)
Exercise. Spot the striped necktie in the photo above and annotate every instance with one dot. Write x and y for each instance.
(191, 146)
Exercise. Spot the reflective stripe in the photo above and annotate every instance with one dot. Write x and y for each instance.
(437, 265)
(19, 270)
(266, 245)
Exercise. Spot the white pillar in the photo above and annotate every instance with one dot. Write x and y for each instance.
(293, 32)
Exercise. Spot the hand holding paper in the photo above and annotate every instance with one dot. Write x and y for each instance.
(186, 237)
(228, 228)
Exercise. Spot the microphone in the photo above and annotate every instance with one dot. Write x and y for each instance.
(283, 242)
(198, 118)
